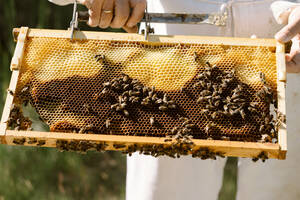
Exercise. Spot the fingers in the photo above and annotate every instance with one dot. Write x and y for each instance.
(94, 12)
(293, 62)
(87, 3)
(288, 32)
(138, 9)
(133, 29)
(292, 29)
(115, 13)
(106, 13)
(121, 13)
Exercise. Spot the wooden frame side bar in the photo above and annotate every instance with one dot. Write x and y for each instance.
(14, 66)
(152, 38)
(19, 50)
(9, 101)
(281, 85)
(229, 148)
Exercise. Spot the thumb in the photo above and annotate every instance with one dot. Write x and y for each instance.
(292, 29)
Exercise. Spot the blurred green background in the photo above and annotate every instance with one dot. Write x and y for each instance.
(41, 173)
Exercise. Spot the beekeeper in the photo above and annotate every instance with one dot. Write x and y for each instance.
(187, 178)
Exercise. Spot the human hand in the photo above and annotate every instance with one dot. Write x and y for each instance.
(292, 32)
(115, 13)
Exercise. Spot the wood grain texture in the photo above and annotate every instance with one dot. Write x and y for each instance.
(229, 148)
(19, 50)
(281, 86)
(8, 101)
(152, 38)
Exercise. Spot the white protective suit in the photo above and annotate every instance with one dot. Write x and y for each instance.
(150, 178)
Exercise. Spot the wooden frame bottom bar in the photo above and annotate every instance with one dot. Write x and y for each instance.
(229, 148)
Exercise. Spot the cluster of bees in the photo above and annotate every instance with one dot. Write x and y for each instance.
(215, 85)
(156, 150)
(182, 134)
(205, 153)
(81, 146)
(175, 150)
(262, 156)
(269, 126)
(132, 92)
(219, 100)
(16, 119)
(31, 141)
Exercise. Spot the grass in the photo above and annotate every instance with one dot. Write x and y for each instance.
(41, 173)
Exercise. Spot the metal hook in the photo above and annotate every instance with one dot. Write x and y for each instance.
(74, 22)
(148, 28)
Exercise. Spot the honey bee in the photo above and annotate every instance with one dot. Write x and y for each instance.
(32, 141)
(25, 90)
(108, 123)
(18, 141)
(174, 130)
(126, 113)
(99, 57)
(195, 56)
(186, 121)
(41, 143)
(263, 156)
(200, 76)
(242, 113)
(26, 102)
(125, 86)
(10, 92)
(119, 146)
(214, 115)
(262, 77)
(163, 108)
(201, 99)
(204, 111)
(125, 78)
(87, 108)
(196, 84)
(208, 128)
(152, 121)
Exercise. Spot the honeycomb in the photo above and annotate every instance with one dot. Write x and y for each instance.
(65, 82)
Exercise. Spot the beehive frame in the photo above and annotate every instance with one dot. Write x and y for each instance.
(229, 148)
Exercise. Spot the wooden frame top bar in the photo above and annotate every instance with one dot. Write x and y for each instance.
(152, 38)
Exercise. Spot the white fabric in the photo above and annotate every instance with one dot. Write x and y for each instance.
(281, 10)
(62, 2)
(166, 178)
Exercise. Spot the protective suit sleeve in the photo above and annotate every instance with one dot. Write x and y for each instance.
(62, 2)
(282, 9)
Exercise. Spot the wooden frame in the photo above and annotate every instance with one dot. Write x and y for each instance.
(229, 148)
